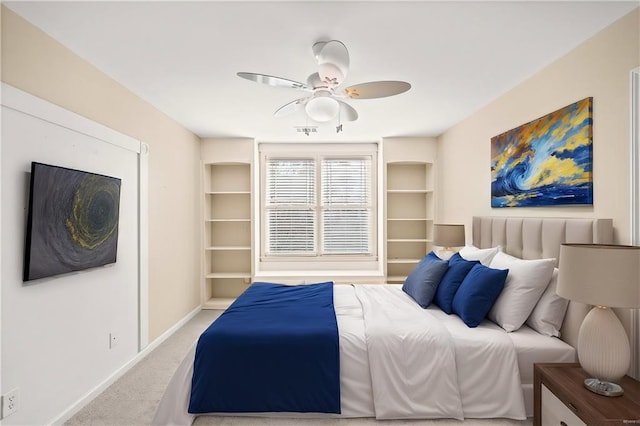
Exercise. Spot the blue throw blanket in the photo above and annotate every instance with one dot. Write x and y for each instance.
(275, 349)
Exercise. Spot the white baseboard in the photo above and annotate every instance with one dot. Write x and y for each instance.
(82, 402)
(164, 336)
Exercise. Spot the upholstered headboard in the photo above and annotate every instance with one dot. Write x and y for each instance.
(537, 238)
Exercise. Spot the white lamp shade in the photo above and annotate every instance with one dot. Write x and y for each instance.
(605, 276)
(448, 235)
(600, 274)
(603, 346)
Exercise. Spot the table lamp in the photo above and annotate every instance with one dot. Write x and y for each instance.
(605, 276)
(448, 236)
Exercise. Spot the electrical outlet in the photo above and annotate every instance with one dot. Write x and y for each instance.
(9, 403)
(113, 340)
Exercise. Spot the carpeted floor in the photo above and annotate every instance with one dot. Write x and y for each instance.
(132, 399)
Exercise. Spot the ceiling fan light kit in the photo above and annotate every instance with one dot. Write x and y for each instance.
(322, 107)
(324, 104)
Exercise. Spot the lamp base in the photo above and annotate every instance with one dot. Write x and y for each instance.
(445, 253)
(603, 387)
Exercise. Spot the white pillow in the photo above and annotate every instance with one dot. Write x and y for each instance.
(549, 312)
(526, 281)
(475, 253)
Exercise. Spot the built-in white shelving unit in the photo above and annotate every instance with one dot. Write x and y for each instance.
(227, 214)
(409, 204)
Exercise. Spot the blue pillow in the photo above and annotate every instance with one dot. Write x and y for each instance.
(458, 270)
(431, 256)
(423, 281)
(477, 293)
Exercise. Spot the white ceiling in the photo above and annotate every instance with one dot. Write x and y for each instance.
(182, 57)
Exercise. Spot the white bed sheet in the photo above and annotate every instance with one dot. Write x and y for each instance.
(426, 364)
(355, 380)
(532, 347)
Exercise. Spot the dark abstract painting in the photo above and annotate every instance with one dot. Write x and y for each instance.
(547, 162)
(72, 222)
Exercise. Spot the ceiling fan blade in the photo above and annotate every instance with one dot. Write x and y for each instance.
(272, 81)
(333, 61)
(291, 107)
(347, 112)
(376, 89)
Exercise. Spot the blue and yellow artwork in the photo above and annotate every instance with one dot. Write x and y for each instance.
(546, 162)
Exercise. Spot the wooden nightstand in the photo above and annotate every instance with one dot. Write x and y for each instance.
(560, 398)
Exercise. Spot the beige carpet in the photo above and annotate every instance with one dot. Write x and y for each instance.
(132, 400)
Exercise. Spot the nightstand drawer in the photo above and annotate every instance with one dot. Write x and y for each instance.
(555, 413)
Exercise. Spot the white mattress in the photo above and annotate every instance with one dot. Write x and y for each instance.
(355, 378)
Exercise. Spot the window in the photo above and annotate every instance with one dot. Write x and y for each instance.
(346, 205)
(318, 205)
(290, 206)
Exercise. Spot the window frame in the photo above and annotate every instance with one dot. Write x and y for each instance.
(319, 260)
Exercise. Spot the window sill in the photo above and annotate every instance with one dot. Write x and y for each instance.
(309, 276)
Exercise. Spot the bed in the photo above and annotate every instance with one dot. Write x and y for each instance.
(388, 370)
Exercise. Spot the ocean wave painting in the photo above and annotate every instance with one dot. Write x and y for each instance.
(546, 162)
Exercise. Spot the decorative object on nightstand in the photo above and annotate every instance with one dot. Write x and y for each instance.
(560, 398)
(606, 276)
(448, 237)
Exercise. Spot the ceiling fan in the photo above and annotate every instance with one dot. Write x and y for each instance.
(324, 101)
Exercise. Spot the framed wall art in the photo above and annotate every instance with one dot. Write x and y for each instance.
(72, 221)
(546, 162)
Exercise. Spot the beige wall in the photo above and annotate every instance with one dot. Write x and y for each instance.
(600, 68)
(35, 63)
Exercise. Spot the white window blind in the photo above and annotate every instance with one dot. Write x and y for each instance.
(318, 206)
(290, 206)
(346, 206)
